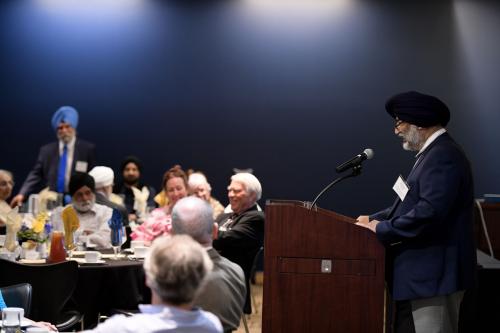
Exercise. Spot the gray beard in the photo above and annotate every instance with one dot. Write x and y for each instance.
(412, 139)
(83, 207)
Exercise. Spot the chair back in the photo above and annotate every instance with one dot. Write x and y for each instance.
(18, 296)
(53, 285)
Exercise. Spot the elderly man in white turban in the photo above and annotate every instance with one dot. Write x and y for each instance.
(59, 160)
(104, 181)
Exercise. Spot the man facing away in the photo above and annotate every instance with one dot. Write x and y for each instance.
(224, 290)
(427, 232)
(175, 268)
(58, 161)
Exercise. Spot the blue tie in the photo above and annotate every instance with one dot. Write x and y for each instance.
(61, 172)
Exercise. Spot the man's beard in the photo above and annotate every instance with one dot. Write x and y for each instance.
(65, 138)
(131, 180)
(83, 206)
(412, 140)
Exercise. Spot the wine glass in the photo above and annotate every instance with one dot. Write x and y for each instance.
(116, 242)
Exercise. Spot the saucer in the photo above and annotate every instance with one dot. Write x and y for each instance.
(133, 257)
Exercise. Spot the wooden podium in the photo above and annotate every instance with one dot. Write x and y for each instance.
(322, 272)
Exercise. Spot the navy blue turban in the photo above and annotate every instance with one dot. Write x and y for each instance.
(65, 114)
(79, 180)
(418, 109)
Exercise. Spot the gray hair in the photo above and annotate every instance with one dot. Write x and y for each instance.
(194, 217)
(196, 179)
(8, 173)
(175, 268)
(250, 182)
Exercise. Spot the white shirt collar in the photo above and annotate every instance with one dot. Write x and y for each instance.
(70, 144)
(431, 139)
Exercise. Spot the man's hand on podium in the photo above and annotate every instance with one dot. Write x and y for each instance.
(364, 221)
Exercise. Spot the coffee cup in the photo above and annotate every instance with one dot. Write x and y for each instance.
(92, 256)
(136, 243)
(31, 255)
(140, 251)
(11, 317)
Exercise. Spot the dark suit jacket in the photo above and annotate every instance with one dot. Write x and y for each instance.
(428, 236)
(44, 173)
(241, 242)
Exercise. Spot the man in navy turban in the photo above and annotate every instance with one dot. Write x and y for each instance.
(57, 161)
(427, 232)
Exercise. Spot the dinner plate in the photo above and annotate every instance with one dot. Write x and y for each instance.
(82, 261)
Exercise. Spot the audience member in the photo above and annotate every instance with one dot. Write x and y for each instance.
(224, 291)
(58, 161)
(104, 178)
(241, 233)
(158, 223)
(199, 186)
(175, 269)
(131, 169)
(6, 185)
(93, 217)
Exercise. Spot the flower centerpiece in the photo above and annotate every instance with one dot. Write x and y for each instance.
(34, 232)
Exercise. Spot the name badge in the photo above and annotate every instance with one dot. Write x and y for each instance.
(401, 188)
(81, 166)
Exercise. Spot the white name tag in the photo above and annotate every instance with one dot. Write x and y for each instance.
(401, 188)
(81, 166)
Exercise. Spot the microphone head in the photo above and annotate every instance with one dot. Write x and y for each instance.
(369, 153)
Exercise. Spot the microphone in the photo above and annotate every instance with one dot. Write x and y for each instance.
(367, 154)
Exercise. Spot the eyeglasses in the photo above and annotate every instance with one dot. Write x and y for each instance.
(5, 183)
(398, 123)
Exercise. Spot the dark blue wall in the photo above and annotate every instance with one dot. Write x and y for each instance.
(289, 89)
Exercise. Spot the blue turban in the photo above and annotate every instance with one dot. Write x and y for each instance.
(418, 109)
(65, 114)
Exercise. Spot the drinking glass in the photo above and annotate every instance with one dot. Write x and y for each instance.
(116, 241)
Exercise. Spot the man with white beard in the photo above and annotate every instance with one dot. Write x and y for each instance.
(93, 218)
(428, 231)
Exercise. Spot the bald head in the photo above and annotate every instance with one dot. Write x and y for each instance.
(193, 216)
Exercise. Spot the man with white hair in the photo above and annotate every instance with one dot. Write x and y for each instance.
(175, 269)
(241, 233)
(224, 290)
(104, 179)
(200, 187)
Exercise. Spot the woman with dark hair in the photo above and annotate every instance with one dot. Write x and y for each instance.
(159, 222)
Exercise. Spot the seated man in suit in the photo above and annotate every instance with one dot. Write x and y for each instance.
(175, 269)
(241, 233)
(224, 290)
(57, 161)
(93, 217)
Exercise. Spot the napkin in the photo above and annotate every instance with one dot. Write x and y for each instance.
(4, 210)
(13, 222)
(44, 197)
(71, 224)
(140, 200)
(116, 226)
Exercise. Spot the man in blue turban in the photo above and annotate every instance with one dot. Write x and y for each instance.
(57, 161)
(428, 231)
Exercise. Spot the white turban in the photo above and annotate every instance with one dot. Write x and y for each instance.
(103, 176)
